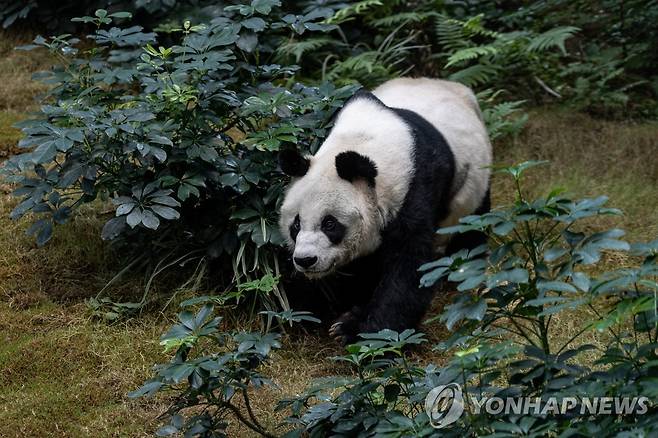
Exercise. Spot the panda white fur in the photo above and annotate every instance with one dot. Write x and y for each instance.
(401, 161)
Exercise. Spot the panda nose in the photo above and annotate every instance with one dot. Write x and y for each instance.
(305, 262)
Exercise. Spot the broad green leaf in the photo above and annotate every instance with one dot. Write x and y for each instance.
(558, 286)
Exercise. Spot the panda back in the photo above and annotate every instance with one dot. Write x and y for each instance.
(453, 110)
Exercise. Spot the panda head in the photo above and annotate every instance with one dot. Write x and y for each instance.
(329, 216)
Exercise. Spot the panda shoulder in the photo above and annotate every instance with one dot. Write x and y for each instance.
(366, 117)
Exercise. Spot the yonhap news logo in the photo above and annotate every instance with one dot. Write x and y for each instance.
(445, 404)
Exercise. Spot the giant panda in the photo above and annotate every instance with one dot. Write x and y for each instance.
(401, 161)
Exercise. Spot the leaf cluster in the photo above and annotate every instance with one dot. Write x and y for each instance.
(178, 132)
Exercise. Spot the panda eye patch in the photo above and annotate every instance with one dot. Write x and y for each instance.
(329, 223)
(294, 228)
(333, 229)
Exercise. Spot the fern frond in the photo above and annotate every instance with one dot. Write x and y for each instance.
(449, 33)
(473, 26)
(401, 18)
(299, 48)
(457, 34)
(375, 65)
(552, 38)
(502, 119)
(475, 75)
(366, 61)
(348, 13)
(471, 53)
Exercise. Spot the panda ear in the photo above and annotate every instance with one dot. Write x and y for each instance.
(293, 163)
(352, 166)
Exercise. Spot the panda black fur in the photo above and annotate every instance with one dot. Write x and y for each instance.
(362, 213)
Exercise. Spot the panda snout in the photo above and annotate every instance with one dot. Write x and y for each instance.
(305, 262)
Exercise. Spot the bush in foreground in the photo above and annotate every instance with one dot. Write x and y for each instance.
(542, 266)
(182, 138)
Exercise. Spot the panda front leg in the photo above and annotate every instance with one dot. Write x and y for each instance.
(398, 302)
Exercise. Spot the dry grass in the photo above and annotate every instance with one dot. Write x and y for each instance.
(17, 89)
(9, 135)
(63, 375)
(76, 264)
(589, 158)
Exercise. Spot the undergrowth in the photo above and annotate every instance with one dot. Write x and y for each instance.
(510, 296)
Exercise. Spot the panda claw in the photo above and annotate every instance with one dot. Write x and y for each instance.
(334, 330)
(345, 329)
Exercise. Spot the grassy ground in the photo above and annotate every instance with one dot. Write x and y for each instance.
(17, 89)
(62, 373)
(589, 158)
(65, 374)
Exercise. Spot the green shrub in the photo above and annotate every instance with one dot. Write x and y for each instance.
(213, 370)
(543, 265)
(182, 139)
(609, 68)
(380, 40)
(594, 56)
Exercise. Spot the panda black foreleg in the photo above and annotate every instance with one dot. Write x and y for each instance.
(397, 302)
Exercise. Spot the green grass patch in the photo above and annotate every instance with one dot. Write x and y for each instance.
(17, 89)
(9, 136)
(588, 158)
(64, 375)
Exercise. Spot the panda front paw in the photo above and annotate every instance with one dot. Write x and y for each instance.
(346, 327)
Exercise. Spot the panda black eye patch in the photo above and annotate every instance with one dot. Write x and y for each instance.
(333, 229)
(294, 228)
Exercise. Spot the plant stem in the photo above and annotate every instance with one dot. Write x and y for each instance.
(245, 396)
(245, 421)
